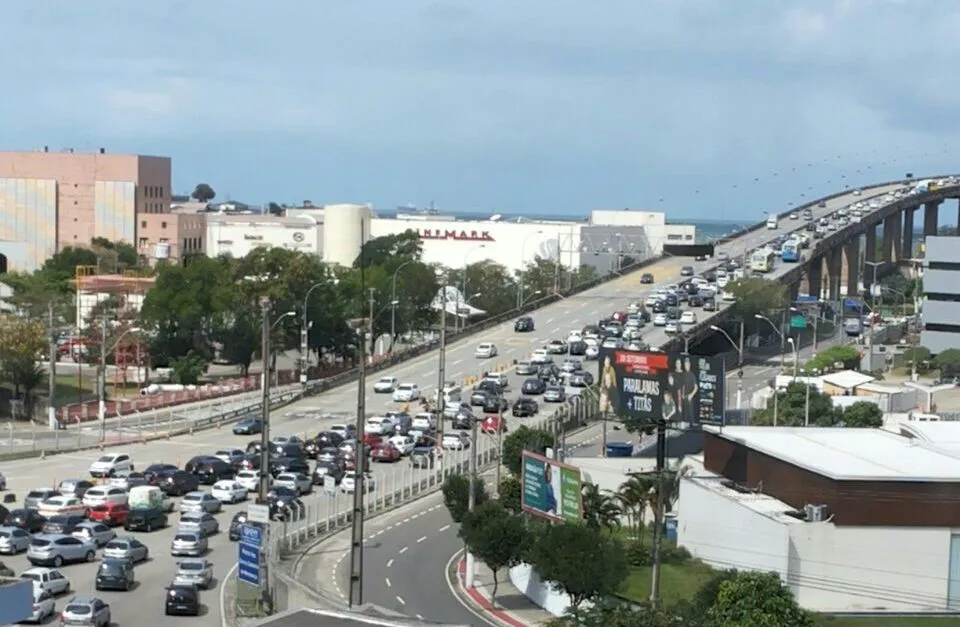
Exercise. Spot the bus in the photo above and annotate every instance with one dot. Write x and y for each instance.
(762, 260)
(790, 251)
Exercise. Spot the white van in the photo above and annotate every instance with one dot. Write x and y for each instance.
(148, 496)
(772, 222)
(451, 394)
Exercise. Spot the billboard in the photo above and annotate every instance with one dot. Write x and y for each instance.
(688, 250)
(551, 489)
(650, 386)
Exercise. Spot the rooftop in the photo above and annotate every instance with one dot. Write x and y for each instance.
(849, 454)
(942, 435)
(756, 501)
(847, 379)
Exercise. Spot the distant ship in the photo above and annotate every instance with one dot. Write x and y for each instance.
(412, 209)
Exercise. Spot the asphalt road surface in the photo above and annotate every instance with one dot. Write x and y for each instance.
(307, 417)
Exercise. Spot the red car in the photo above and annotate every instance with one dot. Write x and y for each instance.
(112, 514)
(372, 439)
(491, 423)
(386, 453)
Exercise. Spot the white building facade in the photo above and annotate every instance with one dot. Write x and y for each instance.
(237, 235)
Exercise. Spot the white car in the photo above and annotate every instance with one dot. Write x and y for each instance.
(378, 426)
(249, 479)
(540, 356)
(385, 385)
(13, 540)
(423, 423)
(672, 327)
(44, 606)
(299, 483)
(485, 350)
(688, 317)
(403, 443)
(107, 465)
(199, 502)
(49, 579)
(651, 300)
(348, 484)
(61, 506)
(103, 494)
(455, 441)
(406, 393)
(229, 491)
(660, 320)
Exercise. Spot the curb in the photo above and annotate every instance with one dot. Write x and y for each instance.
(480, 602)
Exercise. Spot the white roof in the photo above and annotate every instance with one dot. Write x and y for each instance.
(943, 435)
(849, 454)
(759, 502)
(847, 379)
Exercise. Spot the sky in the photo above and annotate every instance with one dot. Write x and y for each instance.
(705, 109)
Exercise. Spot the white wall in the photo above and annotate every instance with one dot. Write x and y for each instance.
(527, 581)
(237, 236)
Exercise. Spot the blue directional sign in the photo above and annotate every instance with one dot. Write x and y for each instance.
(248, 564)
(251, 535)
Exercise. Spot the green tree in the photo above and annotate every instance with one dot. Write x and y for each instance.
(948, 362)
(22, 340)
(635, 496)
(509, 493)
(791, 408)
(692, 612)
(600, 508)
(523, 438)
(836, 357)
(119, 255)
(610, 613)
(31, 294)
(495, 536)
(918, 357)
(203, 193)
(389, 251)
(188, 369)
(62, 266)
(456, 495)
(274, 209)
(756, 295)
(753, 599)
(582, 562)
(863, 414)
(496, 289)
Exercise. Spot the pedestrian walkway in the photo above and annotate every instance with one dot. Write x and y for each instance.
(512, 608)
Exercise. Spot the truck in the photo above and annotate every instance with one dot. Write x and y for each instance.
(772, 222)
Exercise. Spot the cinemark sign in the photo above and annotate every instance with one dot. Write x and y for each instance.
(469, 236)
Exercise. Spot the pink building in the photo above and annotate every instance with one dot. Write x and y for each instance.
(50, 200)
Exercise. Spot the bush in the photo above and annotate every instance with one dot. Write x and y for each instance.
(641, 555)
(676, 555)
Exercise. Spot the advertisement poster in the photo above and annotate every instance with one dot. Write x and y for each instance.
(550, 489)
(710, 375)
(632, 384)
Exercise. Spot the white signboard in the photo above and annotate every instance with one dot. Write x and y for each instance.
(258, 514)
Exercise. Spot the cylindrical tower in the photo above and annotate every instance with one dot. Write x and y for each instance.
(345, 228)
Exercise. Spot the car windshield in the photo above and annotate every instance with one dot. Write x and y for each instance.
(192, 497)
(191, 567)
(112, 568)
(81, 610)
(36, 494)
(186, 537)
(31, 576)
(116, 544)
(39, 542)
(106, 458)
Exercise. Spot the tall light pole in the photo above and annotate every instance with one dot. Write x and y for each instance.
(265, 330)
(463, 284)
(52, 373)
(304, 330)
(523, 267)
(776, 391)
(442, 360)
(739, 350)
(393, 301)
(359, 485)
(796, 356)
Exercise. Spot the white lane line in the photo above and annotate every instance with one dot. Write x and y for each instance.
(459, 361)
(400, 600)
(420, 617)
(550, 321)
(389, 562)
(444, 528)
(421, 539)
(403, 550)
(387, 580)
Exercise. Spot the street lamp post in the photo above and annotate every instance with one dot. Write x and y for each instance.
(737, 348)
(776, 391)
(393, 302)
(532, 296)
(304, 330)
(265, 331)
(458, 324)
(796, 357)
(442, 361)
(523, 257)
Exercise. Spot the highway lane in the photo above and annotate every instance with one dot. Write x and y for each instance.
(310, 415)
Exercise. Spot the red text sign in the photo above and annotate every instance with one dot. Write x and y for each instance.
(469, 236)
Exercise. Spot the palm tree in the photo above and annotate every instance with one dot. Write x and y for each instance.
(634, 496)
(600, 509)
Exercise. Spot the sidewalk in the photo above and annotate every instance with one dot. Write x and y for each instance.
(512, 608)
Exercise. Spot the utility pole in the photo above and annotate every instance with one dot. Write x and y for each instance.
(102, 380)
(658, 514)
(52, 373)
(369, 328)
(499, 448)
(264, 402)
(359, 484)
(472, 498)
(442, 365)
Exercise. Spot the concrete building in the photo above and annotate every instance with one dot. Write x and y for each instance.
(851, 519)
(238, 234)
(50, 200)
(941, 287)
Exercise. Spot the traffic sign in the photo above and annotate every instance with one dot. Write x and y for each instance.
(251, 535)
(798, 322)
(329, 485)
(248, 563)
(259, 514)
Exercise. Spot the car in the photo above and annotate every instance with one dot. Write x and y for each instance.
(188, 544)
(686, 271)
(385, 452)
(230, 490)
(571, 365)
(34, 497)
(214, 470)
(50, 579)
(200, 502)
(110, 463)
(347, 431)
(298, 482)
(378, 425)
(424, 423)
(646, 278)
(524, 324)
(179, 483)
(660, 320)
(554, 394)
(385, 385)
(524, 407)
(540, 356)
(115, 574)
(155, 473)
(182, 600)
(525, 368)
(556, 347)
(406, 393)
(57, 550)
(126, 479)
(688, 317)
(492, 423)
(64, 524)
(671, 327)
(101, 495)
(533, 387)
(335, 469)
(249, 479)
(13, 540)
(485, 350)
(201, 522)
(145, 519)
(239, 519)
(74, 487)
(196, 571)
(230, 455)
(455, 441)
(61, 505)
(248, 426)
(27, 519)
(86, 610)
(403, 443)
(126, 548)
(349, 483)
(99, 533)
(44, 606)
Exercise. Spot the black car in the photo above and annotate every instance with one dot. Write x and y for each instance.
(686, 271)
(179, 483)
(525, 406)
(479, 398)
(711, 277)
(533, 386)
(524, 324)
(672, 300)
(329, 454)
(254, 446)
(491, 387)
(646, 278)
(462, 421)
(196, 463)
(709, 304)
(145, 519)
(577, 347)
(335, 469)
(248, 426)
(249, 461)
(289, 464)
(694, 300)
(182, 600)
(115, 574)
(239, 519)
(673, 313)
(211, 472)
(659, 306)
(495, 404)
(27, 519)
(548, 372)
(155, 473)
(63, 524)
(280, 497)
(288, 449)
(324, 439)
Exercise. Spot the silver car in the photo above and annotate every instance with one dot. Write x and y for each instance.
(298, 482)
(57, 549)
(201, 522)
(200, 502)
(126, 548)
(195, 571)
(188, 543)
(99, 533)
(86, 610)
(34, 497)
(13, 540)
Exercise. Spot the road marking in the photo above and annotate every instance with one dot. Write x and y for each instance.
(400, 600)
(456, 362)
(387, 580)
(403, 550)
(550, 321)
(444, 528)
(421, 539)
(420, 617)
(389, 562)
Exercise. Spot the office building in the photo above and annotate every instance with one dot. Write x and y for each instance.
(941, 287)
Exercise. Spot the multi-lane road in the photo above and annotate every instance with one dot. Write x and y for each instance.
(311, 415)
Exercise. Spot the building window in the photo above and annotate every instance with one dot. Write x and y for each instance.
(143, 242)
(943, 265)
(945, 328)
(950, 298)
(163, 225)
(143, 224)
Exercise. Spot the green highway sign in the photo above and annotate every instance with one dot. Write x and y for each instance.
(798, 322)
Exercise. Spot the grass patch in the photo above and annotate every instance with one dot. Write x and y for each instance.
(678, 582)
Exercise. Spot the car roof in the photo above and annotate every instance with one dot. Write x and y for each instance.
(82, 600)
(37, 570)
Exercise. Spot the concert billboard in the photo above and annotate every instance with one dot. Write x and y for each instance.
(648, 386)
